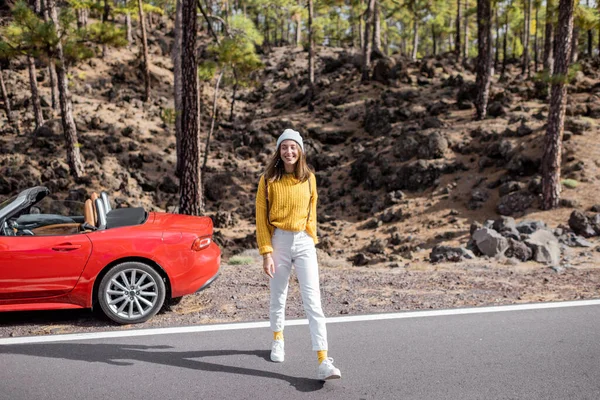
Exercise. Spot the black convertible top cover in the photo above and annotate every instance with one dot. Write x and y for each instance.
(125, 217)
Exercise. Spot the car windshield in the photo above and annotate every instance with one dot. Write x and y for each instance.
(7, 202)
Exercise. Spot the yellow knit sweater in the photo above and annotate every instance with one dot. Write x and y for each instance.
(289, 200)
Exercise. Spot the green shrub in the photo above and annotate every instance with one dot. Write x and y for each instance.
(240, 260)
(570, 183)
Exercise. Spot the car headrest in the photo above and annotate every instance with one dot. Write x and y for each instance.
(88, 212)
(101, 214)
(104, 197)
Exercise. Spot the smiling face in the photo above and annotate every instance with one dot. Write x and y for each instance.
(289, 151)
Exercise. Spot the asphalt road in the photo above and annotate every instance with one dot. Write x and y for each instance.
(532, 354)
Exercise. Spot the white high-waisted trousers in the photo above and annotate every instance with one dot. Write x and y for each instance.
(297, 249)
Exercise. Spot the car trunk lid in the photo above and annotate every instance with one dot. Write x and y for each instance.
(183, 223)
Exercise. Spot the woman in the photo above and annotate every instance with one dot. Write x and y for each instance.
(286, 231)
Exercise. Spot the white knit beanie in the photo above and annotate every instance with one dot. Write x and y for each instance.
(292, 135)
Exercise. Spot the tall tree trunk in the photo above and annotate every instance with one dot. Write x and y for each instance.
(53, 84)
(298, 33)
(513, 47)
(51, 67)
(361, 32)
(9, 114)
(299, 28)
(106, 11)
(434, 39)
(575, 45)
(69, 129)
(458, 32)
(37, 7)
(145, 59)
(535, 39)
(282, 30)
(376, 27)
(267, 40)
(311, 46)
(450, 37)
(35, 97)
(177, 89)
(505, 42)
(149, 20)
(466, 44)
(79, 16)
(235, 88)
(128, 28)
(190, 187)
(526, 34)
(386, 39)
(415, 34)
(590, 37)
(556, 115)
(497, 45)
(366, 62)
(212, 122)
(484, 56)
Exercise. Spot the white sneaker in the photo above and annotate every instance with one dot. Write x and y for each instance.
(327, 371)
(277, 352)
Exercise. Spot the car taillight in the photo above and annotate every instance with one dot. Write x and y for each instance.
(201, 243)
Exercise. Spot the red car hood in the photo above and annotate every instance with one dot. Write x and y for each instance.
(183, 223)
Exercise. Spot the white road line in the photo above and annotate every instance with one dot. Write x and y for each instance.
(265, 324)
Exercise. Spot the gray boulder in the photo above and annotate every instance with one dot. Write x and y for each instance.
(583, 225)
(518, 250)
(515, 202)
(528, 227)
(545, 247)
(490, 242)
(447, 253)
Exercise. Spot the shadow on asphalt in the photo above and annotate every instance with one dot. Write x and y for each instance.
(78, 317)
(114, 354)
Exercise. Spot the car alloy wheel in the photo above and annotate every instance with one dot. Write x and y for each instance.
(131, 293)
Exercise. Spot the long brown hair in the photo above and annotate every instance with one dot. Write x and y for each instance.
(275, 168)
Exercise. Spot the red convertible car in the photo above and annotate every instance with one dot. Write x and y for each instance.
(63, 254)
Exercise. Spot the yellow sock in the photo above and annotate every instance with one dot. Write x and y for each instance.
(278, 335)
(322, 354)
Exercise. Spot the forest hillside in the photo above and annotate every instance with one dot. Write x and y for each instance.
(402, 163)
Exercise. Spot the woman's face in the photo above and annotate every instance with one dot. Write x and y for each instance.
(289, 151)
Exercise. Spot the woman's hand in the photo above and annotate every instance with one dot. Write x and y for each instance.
(268, 265)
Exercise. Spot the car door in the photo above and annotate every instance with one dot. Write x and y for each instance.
(41, 266)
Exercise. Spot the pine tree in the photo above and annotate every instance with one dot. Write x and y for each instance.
(35, 97)
(70, 130)
(311, 47)
(146, 58)
(484, 56)
(9, 114)
(366, 61)
(28, 34)
(190, 187)
(556, 115)
(527, 34)
(458, 21)
(176, 57)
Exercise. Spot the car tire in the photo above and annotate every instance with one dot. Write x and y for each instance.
(131, 293)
